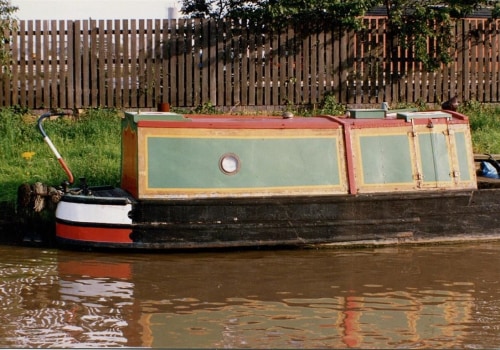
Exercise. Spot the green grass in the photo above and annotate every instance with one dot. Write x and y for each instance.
(485, 126)
(90, 144)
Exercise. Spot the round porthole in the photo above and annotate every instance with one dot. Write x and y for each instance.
(229, 163)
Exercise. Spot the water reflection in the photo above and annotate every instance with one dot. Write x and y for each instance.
(416, 297)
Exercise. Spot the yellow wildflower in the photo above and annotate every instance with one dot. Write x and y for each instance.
(27, 155)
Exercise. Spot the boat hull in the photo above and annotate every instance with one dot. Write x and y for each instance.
(373, 219)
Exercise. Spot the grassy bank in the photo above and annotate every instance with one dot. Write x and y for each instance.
(90, 145)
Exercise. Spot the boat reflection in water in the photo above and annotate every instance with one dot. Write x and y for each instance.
(429, 297)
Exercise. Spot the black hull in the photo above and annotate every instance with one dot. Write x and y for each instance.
(408, 218)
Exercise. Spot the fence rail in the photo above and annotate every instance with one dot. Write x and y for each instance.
(191, 62)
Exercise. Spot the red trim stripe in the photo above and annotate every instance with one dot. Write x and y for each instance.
(93, 234)
(242, 123)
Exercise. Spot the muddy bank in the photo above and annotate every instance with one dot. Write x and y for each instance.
(25, 227)
(9, 223)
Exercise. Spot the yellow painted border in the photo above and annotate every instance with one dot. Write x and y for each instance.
(358, 164)
(146, 192)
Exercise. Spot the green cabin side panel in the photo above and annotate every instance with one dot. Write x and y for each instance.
(435, 157)
(462, 155)
(386, 159)
(194, 162)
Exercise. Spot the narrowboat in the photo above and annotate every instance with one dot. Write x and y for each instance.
(365, 178)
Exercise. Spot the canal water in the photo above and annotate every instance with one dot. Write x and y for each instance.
(445, 296)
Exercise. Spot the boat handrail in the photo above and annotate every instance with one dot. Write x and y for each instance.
(51, 145)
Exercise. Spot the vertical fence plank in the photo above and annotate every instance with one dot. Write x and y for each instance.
(117, 63)
(125, 61)
(73, 62)
(156, 60)
(11, 86)
(132, 63)
(306, 73)
(101, 64)
(411, 71)
(433, 79)
(315, 52)
(362, 69)
(197, 61)
(474, 82)
(31, 57)
(371, 63)
(252, 62)
(38, 64)
(223, 68)
(298, 74)
(22, 65)
(205, 73)
(150, 86)
(268, 62)
(347, 66)
(54, 65)
(94, 61)
(139, 66)
(82, 89)
(390, 67)
(109, 71)
(46, 64)
(173, 61)
(494, 50)
(381, 61)
(163, 65)
(230, 60)
(481, 64)
(244, 62)
(321, 81)
(181, 83)
(464, 53)
(313, 73)
(488, 61)
(62, 61)
(368, 58)
(403, 77)
(268, 68)
(212, 61)
(236, 63)
(450, 79)
(341, 85)
(328, 50)
(189, 63)
(274, 55)
(282, 68)
(260, 62)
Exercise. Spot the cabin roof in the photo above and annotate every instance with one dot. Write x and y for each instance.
(197, 121)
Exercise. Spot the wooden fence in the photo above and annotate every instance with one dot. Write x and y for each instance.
(189, 63)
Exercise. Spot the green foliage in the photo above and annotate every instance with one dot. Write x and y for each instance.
(330, 106)
(7, 23)
(206, 108)
(424, 27)
(282, 12)
(421, 27)
(485, 126)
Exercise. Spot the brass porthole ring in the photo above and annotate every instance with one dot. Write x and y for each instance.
(229, 163)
